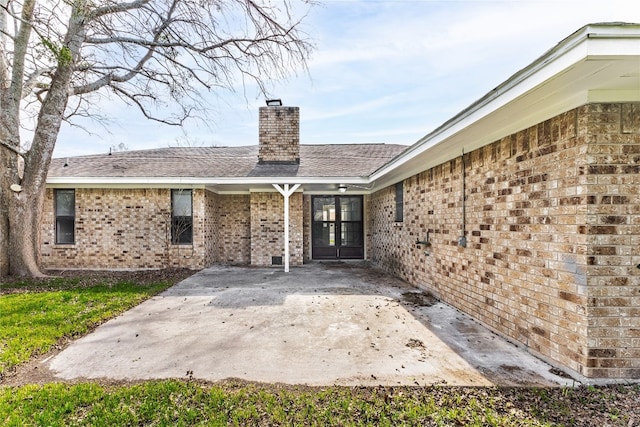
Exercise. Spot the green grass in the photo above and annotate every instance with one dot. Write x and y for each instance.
(169, 403)
(188, 403)
(31, 323)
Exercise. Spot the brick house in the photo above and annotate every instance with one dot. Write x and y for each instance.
(523, 210)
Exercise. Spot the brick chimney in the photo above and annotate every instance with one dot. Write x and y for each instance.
(279, 134)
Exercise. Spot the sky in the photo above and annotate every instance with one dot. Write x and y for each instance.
(383, 71)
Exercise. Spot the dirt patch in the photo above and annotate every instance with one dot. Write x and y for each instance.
(513, 376)
(32, 372)
(510, 368)
(560, 373)
(414, 343)
(421, 299)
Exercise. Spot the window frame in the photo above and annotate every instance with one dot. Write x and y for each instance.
(185, 236)
(57, 218)
(399, 202)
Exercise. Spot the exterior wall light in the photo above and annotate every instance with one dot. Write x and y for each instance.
(342, 188)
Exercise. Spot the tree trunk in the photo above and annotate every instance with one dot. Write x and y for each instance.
(20, 237)
(24, 235)
(4, 240)
(4, 212)
(19, 223)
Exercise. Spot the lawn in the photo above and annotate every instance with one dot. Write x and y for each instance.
(37, 316)
(187, 403)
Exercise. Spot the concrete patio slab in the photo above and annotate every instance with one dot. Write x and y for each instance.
(320, 324)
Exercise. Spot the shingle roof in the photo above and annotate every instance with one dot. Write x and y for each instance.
(333, 160)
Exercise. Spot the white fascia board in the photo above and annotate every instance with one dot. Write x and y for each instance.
(589, 42)
(101, 183)
(137, 182)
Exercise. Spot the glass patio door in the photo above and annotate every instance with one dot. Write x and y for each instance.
(337, 227)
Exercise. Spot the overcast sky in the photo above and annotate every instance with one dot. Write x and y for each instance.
(383, 71)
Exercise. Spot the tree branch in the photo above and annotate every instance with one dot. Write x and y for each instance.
(143, 110)
(10, 147)
(116, 8)
(21, 46)
(151, 49)
(32, 80)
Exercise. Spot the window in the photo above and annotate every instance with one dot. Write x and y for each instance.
(399, 202)
(65, 210)
(181, 217)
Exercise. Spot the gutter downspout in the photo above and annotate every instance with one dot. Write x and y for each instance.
(286, 192)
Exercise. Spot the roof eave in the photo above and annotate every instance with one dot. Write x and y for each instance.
(591, 43)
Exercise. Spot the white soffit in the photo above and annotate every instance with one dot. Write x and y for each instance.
(598, 63)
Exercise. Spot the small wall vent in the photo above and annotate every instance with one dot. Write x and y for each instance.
(276, 260)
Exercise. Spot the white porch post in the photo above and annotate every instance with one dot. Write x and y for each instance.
(286, 192)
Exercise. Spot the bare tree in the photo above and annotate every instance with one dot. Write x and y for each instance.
(59, 57)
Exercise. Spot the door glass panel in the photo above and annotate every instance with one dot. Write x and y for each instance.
(350, 234)
(324, 209)
(351, 208)
(324, 234)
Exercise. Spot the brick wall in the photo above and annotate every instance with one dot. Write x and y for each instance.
(130, 228)
(210, 227)
(553, 230)
(306, 221)
(234, 241)
(613, 233)
(279, 134)
(267, 228)
(127, 228)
